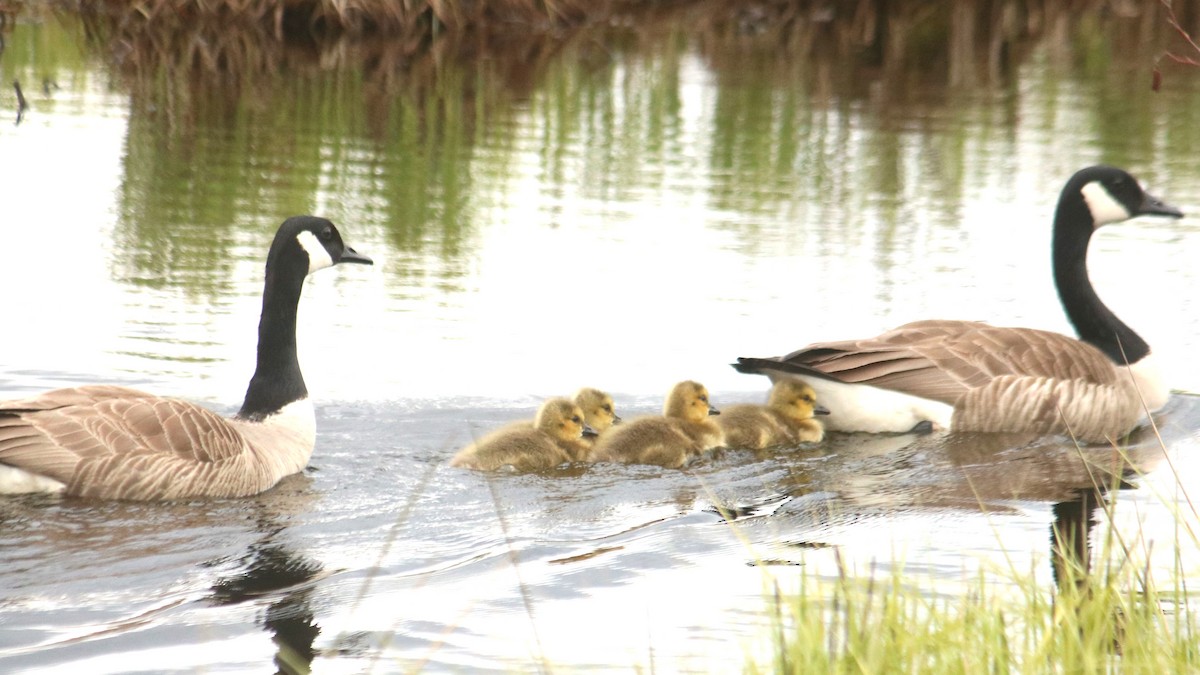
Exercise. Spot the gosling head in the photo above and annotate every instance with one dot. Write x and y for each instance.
(688, 400)
(796, 400)
(597, 408)
(562, 420)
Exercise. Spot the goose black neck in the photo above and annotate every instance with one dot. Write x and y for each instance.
(1094, 322)
(277, 380)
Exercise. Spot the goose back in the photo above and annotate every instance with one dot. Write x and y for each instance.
(118, 443)
(972, 376)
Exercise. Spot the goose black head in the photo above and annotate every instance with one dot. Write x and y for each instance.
(318, 239)
(1111, 195)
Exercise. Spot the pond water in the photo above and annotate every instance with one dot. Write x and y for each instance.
(623, 209)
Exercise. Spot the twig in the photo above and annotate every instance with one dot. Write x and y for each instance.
(1179, 29)
(515, 560)
(21, 104)
(1156, 82)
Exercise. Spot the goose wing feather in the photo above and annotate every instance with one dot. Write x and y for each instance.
(1088, 411)
(110, 441)
(943, 360)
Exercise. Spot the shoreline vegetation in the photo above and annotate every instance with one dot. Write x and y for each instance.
(192, 59)
(963, 42)
(1110, 610)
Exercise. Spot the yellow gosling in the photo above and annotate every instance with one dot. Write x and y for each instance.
(556, 437)
(598, 410)
(598, 413)
(684, 431)
(786, 419)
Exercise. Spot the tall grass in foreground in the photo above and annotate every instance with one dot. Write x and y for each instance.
(890, 626)
(1108, 616)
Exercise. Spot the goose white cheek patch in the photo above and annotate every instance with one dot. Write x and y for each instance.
(318, 257)
(1104, 208)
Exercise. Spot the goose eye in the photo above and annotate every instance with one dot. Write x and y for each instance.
(326, 234)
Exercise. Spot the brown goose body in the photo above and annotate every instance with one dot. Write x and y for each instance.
(684, 431)
(971, 376)
(119, 443)
(786, 419)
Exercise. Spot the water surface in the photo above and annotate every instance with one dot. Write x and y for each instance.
(622, 210)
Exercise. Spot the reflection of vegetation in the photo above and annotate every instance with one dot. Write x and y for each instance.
(824, 109)
(797, 80)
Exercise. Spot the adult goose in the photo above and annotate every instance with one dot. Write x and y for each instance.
(971, 376)
(118, 443)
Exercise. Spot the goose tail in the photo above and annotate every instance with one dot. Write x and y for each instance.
(752, 365)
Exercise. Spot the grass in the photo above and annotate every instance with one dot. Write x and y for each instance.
(894, 626)
(1112, 614)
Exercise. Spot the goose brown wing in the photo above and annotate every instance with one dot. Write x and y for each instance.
(942, 360)
(68, 434)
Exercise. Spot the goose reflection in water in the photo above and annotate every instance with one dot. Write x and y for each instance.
(861, 483)
(272, 571)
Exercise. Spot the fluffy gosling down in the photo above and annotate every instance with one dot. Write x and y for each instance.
(786, 419)
(684, 431)
(555, 438)
(598, 413)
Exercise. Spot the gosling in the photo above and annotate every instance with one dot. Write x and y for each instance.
(683, 432)
(556, 437)
(786, 419)
(598, 413)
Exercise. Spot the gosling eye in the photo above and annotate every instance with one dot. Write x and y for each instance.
(575, 419)
(608, 408)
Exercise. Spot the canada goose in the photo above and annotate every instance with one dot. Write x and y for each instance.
(970, 376)
(786, 419)
(556, 437)
(119, 443)
(682, 432)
